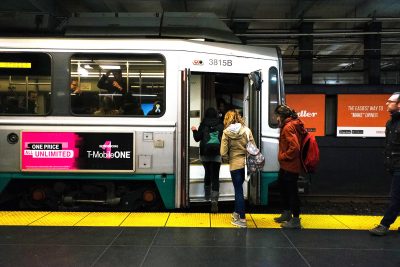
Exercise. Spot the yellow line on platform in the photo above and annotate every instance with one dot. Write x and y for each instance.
(188, 220)
(146, 219)
(166, 219)
(60, 219)
(103, 219)
(22, 217)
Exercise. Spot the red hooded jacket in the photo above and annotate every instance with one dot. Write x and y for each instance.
(289, 145)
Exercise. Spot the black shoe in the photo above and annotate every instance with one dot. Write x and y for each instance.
(379, 230)
(285, 217)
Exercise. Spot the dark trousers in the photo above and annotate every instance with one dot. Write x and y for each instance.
(289, 191)
(211, 176)
(394, 206)
(237, 180)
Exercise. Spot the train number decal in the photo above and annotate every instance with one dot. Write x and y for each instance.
(220, 62)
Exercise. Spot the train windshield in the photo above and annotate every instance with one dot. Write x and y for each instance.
(118, 85)
(273, 96)
(25, 83)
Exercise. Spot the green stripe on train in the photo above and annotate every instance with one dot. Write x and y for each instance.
(165, 182)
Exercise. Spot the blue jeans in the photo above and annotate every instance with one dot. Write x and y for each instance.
(394, 206)
(237, 180)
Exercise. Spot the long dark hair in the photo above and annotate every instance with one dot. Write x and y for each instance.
(211, 113)
(285, 111)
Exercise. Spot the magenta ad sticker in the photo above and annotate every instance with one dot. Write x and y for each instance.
(76, 151)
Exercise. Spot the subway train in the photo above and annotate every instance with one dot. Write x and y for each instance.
(105, 123)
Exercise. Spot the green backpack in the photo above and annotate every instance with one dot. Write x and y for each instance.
(211, 143)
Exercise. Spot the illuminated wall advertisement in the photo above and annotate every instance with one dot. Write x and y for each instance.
(311, 110)
(362, 115)
(66, 151)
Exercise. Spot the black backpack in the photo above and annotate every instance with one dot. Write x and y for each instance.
(211, 142)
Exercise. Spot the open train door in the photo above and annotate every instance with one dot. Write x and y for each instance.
(183, 151)
(254, 121)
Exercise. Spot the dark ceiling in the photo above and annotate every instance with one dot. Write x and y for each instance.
(340, 31)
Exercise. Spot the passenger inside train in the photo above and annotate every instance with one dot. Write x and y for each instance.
(114, 84)
(75, 89)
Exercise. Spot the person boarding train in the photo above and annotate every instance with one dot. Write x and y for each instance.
(209, 135)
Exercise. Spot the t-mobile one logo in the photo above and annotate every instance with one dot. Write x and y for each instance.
(108, 152)
(305, 114)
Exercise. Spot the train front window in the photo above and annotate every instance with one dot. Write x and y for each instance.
(118, 85)
(25, 83)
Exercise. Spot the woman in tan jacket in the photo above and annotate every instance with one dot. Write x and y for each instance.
(233, 151)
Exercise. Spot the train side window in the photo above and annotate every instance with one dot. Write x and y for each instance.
(273, 96)
(118, 85)
(25, 83)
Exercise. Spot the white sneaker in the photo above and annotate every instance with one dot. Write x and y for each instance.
(240, 223)
(293, 223)
(235, 216)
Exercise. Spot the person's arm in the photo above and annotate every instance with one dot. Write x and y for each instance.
(197, 134)
(118, 86)
(220, 131)
(224, 150)
(293, 145)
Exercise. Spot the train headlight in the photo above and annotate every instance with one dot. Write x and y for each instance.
(149, 196)
(12, 138)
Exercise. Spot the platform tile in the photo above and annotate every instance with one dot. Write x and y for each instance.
(146, 219)
(103, 219)
(321, 222)
(60, 219)
(265, 220)
(21, 217)
(188, 220)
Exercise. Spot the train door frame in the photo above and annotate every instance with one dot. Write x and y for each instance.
(254, 123)
(251, 93)
(203, 95)
(183, 145)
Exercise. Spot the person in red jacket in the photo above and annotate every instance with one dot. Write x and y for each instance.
(290, 166)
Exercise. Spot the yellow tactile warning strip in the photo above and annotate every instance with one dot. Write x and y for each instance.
(60, 219)
(223, 220)
(166, 219)
(265, 220)
(103, 219)
(322, 222)
(188, 220)
(22, 218)
(362, 222)
(146, 219)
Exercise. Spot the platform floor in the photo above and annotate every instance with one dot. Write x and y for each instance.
(190, 239)
(163, 246)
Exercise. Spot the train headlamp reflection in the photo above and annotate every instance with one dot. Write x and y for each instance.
(149, 196)
(12, 138)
